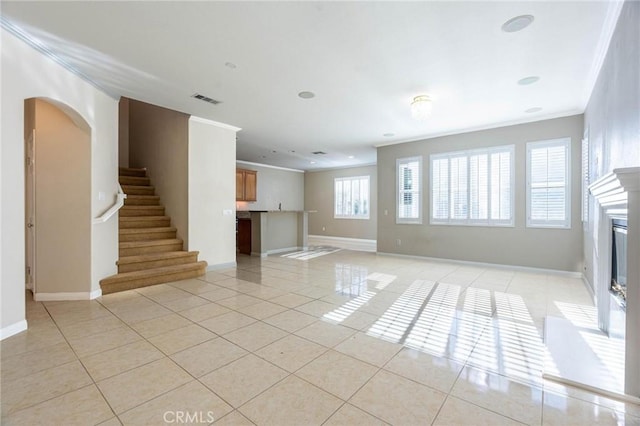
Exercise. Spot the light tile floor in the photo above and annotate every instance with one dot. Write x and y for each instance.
(345, 338)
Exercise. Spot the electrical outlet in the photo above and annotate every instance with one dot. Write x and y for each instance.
(324, 228)
(398, 242)
(386, 212)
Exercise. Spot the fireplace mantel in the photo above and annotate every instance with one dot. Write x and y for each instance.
(618, 197)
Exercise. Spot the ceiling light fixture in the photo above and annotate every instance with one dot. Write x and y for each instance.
(528, 80)
(421, 107)
(306, 95)
(518, 23)
(351, 156)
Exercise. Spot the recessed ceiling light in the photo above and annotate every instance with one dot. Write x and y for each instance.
(518, 23)
(351, 156)
(388, 135)
(312, 162)
(528, 80)
(306, 95)
(230, 65)
(534, 109)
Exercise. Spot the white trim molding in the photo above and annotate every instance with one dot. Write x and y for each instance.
(269, 166)
(214, 123)
(55, 297)
(13, 329)
(344, 243)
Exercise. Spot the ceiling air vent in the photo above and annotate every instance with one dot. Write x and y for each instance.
(319, 153)
(205, 98)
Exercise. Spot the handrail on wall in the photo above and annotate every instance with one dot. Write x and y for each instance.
(120, 196)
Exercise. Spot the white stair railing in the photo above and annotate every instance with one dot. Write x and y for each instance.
(120, 196)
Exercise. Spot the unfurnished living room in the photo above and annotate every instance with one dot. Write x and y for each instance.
(435, 216)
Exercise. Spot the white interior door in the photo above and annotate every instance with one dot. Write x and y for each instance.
(30, 212)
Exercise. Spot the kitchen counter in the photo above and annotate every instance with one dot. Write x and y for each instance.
(276, 231)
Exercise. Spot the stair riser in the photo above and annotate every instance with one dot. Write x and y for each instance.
(132, 172)
(156, 223)
(134, 251)
(140, 266)
(149, 190)
(147, 281)
(150, 211)
(132, 180)
(141, 202)
(147, 236)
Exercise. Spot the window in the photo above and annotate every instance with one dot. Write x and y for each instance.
(473, 187)
(351, 197)
(408, 184)
(548, 184)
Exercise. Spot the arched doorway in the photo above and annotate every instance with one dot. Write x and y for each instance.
(57, 200)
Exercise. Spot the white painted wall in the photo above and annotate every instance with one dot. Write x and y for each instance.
(26, 73)
(212, 191)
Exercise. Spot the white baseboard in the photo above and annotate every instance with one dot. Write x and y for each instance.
(218, 266)
(12, 329)
(569, 274)
(587, 285)
(344, 243)
(55, 297)
(282, 250)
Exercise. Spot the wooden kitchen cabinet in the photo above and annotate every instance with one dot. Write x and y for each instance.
(244, 236)
(246, 185)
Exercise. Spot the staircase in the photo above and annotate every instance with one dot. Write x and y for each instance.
(149, 251)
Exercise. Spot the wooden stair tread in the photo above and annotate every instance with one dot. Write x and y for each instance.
(126, 207)
(146, 230)
(136, 186)
(143, 197)
(132, 244)
(127, 276)
(154, 256)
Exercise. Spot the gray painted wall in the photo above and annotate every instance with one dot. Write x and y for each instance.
(612, 117)
(318, 196)
(559, 249)
(275, 186)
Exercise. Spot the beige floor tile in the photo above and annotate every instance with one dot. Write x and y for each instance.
(119, 297)
(243, 379)
(338, 374)
(44, 385)
(154, 289)
(214, 276)
(348, 415)
(80, 407)
(291, 352)
(228, 322)
(181, 338)
(17, 366)
(87, 328)
(369, 349)
(234, 419)
(218, 294)
(262, 310)
(499, 394)
(359, 320)
(184, 303)
(325, 333)
(30, 340)
(397, 400)
(563, 410)
(291, 320)
(266, 293)
(194, 286)
(202, 405)
(255, 336)
(317, 308)
(436, 372)
(291, 300)
(134, 387)
(291, 402)
(203, 312)
(239, 301)
(134, 315)
(115, 361)
(458, 412)
(208, 356)
(160, 325)
(166, 296)
(111, 422)
(96, 343)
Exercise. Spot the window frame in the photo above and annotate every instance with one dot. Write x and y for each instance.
(552, 224)
(335, 200)
(420, 191)
(467, 154)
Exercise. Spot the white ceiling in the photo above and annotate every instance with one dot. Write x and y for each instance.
(365, 61)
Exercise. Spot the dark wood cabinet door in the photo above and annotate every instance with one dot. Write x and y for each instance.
(244, 236)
